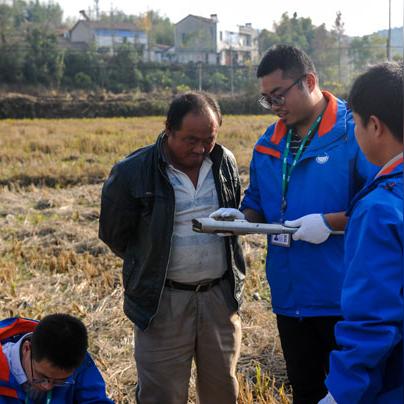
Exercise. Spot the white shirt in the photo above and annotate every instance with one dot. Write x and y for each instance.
(389, 163)
(12, 352)
(194, 256)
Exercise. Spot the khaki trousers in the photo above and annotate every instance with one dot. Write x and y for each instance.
(189, 325)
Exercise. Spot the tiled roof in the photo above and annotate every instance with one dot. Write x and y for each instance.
(127, 26)
(197, 17)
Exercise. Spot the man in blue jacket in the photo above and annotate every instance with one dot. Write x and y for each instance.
(304, 171)
(47, 362)
(368, 368)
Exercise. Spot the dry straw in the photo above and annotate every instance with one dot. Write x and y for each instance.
(52, 261)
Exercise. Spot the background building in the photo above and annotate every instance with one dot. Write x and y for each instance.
(107, 35)
(196, 40)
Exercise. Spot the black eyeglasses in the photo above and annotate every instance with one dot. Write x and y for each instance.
(267, 101)
(47, 380)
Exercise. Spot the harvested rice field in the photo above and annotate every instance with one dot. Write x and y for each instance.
(51, 173)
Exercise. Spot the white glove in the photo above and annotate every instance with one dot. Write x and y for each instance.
(328, 399)
(227, 213)
(312, 228)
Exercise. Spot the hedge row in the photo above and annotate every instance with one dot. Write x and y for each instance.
(19, 106)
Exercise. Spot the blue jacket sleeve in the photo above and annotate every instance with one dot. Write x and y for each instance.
(89, 385)
(252, 199)
(372, 304)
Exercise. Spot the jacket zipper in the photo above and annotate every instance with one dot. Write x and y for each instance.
(169, 252)
(222, 181)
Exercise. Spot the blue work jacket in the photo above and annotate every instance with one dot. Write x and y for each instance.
(88, 387)
(306, 278)
(368, 368)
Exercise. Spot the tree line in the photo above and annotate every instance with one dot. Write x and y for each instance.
(32, 56)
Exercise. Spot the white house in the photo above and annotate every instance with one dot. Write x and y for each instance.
(107, 35)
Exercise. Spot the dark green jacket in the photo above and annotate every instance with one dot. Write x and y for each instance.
(137, 218)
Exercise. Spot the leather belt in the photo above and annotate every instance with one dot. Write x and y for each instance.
(199, 287)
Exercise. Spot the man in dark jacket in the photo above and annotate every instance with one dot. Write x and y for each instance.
(182, 289)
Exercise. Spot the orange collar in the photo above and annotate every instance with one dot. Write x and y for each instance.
(391, 165)
(4, 367)
(326, 124)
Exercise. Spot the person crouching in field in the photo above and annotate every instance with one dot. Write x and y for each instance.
(368, 368)
(182, 289)
(46, 362)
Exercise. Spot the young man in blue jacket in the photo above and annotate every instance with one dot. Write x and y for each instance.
(304, 172)
(368, 368)
(47, 362)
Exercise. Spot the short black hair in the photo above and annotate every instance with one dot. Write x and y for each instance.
(293, 62)
(60, 339)
(195, 102)
(379, 92)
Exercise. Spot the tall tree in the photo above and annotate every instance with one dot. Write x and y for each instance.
(367, 50)
(159, 29)
(49, 14)
(267, 39)
(297, 31)
(122, 66)
(42, 62)
(6, 23)
(338, 30)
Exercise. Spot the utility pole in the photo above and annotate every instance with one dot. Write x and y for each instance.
(339, 29)
(389, 35)
(97, 9)
(200, 76)
(231, 71)
(111, 17)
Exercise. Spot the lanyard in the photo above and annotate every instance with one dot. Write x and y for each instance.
(286, 174)
(48, 397)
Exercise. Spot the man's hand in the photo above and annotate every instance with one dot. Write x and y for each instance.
(312, 228)
(226, 214)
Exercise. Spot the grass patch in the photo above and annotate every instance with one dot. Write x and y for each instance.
(51, 259)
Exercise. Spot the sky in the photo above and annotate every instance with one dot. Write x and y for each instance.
(361, 17)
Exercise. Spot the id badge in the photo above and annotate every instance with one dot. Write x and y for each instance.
(281, 240)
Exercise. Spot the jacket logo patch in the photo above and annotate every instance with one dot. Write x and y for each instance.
(322, 159)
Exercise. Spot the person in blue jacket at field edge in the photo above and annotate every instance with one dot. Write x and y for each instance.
(368, 367)
(47, 362)
(304, 172)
